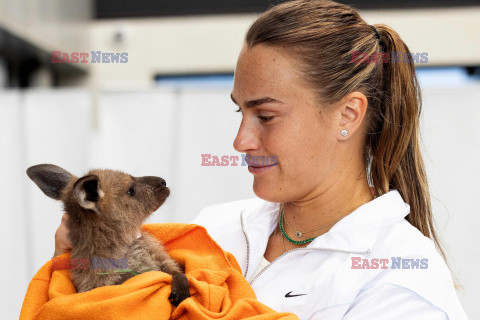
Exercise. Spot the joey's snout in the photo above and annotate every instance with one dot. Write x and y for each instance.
(158, 185)
(154, 182)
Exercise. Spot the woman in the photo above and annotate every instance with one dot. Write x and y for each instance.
(319, 241)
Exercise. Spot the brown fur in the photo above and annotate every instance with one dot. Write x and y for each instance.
(104, 220)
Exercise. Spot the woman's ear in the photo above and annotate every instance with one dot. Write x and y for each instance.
(352, 112)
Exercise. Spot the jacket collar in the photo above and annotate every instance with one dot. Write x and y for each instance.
(356, 232)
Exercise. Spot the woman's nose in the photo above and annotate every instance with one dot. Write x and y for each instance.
(246, 139)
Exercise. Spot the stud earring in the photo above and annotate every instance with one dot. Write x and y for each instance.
(344, 132)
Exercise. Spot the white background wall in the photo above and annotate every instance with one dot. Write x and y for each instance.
(48, 25)
(211, 43)
(164, 132)
(451, 135)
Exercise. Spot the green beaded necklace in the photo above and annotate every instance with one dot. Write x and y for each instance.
(287, 237)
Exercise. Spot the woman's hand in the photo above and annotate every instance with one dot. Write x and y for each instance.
(62, 244)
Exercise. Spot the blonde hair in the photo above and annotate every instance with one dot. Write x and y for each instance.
(322, 36)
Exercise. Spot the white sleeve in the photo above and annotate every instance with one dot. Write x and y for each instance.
(393, 303)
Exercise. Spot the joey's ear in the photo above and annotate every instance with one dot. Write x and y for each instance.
(51, 179)
(87, 192)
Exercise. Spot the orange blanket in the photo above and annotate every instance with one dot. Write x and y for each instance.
(217, 287)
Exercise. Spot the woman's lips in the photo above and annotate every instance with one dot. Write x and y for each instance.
(261, 169)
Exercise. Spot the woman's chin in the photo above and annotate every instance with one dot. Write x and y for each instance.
(265, 190)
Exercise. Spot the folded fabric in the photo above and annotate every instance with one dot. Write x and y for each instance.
(217, 287)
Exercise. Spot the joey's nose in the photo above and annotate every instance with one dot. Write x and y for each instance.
(158, 182)
(155, 182)
(162, 182)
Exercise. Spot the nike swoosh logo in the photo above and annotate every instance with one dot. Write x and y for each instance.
(289, 295)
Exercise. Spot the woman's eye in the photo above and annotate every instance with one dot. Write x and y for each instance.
(131, 191)
(265, 119)
(262, 118)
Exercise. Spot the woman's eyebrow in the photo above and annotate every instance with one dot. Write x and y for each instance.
(256, 102)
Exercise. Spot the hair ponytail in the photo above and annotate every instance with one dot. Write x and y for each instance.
(396, 161)
(323, 35)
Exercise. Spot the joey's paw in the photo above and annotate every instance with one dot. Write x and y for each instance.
(177, 296)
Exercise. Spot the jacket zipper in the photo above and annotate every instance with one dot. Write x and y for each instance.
(309, 249)
(248, 243)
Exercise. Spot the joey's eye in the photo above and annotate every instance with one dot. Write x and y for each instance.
(131, 191)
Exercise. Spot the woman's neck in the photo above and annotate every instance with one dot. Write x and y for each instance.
(321, 208)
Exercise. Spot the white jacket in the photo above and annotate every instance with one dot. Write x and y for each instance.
(318, 281)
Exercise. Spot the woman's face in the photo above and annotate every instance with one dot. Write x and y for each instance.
(287, 126)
